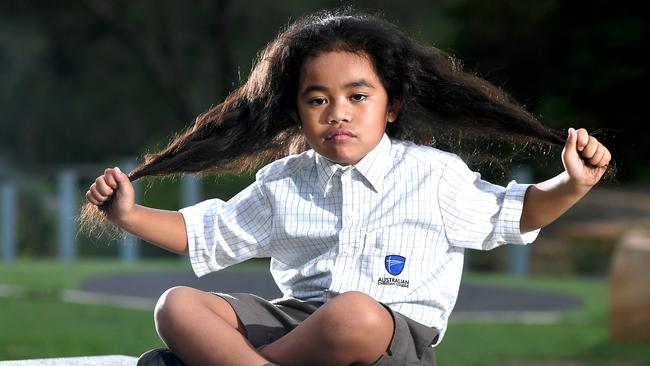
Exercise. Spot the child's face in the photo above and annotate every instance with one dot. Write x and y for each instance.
(342, 105)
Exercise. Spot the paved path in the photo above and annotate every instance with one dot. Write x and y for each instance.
(475, 302)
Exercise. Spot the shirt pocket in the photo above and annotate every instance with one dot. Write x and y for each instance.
(395, 260)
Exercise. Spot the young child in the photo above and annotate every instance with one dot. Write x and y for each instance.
(365, 230)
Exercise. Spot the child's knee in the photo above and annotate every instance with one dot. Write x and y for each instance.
(171, 304)
(181, 304)
(356, 319)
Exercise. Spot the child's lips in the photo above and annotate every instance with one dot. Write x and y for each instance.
(339, 135)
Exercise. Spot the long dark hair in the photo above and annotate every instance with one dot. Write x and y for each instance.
(255, 124)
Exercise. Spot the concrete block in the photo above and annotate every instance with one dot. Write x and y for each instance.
(629, 288)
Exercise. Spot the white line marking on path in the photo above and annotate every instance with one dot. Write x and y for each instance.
(94, 298)
(11, 291)
(140, 303)
(519, 317)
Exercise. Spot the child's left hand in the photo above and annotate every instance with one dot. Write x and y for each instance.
(584, 158)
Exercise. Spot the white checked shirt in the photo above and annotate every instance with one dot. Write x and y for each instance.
(330, 228)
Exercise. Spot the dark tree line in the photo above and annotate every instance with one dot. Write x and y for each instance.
(94, 80)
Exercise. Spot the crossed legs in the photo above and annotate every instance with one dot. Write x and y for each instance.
(203, 329)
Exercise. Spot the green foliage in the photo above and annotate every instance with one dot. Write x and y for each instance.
(226, 186)
(592, 256)
(36, 218)
(570, 64)
(126, 76)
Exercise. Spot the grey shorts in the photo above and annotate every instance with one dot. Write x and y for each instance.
(266, 321)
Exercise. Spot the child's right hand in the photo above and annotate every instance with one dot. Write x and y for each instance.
(115, 185)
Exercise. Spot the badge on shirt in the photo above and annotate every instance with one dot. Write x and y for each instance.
(395, 264)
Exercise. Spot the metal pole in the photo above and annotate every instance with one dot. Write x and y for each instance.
(129, 250)
(8, 220)
(67, 226)
(519, 255)
(191, 194)
(190, 190)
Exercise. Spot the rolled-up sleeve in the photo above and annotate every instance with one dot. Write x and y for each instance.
(477, 214)
(221, 234)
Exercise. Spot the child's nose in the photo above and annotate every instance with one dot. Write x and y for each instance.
(338, 112)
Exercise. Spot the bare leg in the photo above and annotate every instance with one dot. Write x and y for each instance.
(352, 328)
(203, 329)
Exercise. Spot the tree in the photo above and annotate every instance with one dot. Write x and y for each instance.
(571, 63)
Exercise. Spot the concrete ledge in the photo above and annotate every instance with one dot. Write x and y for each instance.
(112, 360)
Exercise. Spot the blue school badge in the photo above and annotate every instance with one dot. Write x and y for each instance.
(395, 264)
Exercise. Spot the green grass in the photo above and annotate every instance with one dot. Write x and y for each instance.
(39, 328)
(39, 325)
(581, 338)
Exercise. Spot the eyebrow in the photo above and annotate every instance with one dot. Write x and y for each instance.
(353, 84)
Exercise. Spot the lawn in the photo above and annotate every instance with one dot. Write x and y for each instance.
(581, 338)
(37, 324)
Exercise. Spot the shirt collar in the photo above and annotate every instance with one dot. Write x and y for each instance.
(373, 167)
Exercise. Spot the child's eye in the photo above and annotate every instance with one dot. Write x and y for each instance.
(359, 97)
(318, 101)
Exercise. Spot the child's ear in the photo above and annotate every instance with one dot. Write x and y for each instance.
(394, 109)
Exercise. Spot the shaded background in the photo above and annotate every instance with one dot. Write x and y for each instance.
(85, 84)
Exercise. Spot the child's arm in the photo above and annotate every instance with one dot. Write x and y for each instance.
(160, 227)
(585, 161)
